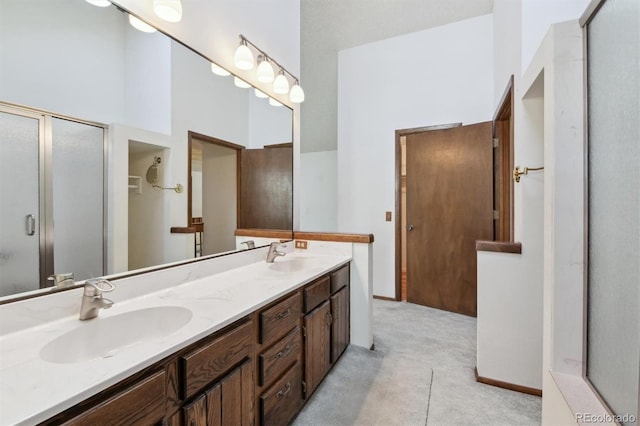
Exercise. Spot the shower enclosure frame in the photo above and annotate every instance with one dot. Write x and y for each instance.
(45, 183)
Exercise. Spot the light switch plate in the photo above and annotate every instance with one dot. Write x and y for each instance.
(301, 244)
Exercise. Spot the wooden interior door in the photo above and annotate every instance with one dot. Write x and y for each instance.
(266, 188)
(449, 207)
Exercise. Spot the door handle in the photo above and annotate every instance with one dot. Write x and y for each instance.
(30, 224)
(409, 227)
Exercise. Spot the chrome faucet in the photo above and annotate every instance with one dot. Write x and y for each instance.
(92, 300)
(273, 252)
(250, 244)
(62, 280)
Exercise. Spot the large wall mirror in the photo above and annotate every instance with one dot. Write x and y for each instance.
(157, 119)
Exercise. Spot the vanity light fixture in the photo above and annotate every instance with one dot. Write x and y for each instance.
(264, 72)
(296, 95)
(260, 94)
(140, 25)
(241, 83)
(168, 10)
(281, 84)
(99, 3)
(218, 70)
(274, 103)
(244, 59)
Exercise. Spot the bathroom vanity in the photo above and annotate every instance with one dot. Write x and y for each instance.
(258, 340)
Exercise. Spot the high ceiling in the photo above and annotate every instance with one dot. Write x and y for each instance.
(328, 26)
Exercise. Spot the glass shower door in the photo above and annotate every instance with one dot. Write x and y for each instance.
(78, 198)
(20, 199)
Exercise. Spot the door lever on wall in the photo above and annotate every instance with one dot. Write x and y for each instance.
(30, 224)
(517, 172)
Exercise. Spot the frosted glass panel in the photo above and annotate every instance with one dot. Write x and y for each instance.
(614, 205)
(78, 198)
(19, 252)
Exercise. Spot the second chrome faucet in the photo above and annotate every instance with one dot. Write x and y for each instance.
(92, 300)
(273, 252)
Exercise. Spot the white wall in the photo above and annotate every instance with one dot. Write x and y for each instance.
(538, 15)
(318, 191)
(146, 213)
(218, 198)
(80, 83)
(436, 76)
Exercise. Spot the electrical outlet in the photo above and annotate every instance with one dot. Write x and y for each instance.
(388, 216)
(300, 244)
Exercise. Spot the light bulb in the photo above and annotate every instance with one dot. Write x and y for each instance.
(243, 57)
(265, 72)
(296, 95)
(99, 3)
(241, 83)
(141, 26)
(260, 94)
(217, 70)
(281, 84)
(274, 103)
(168, 10)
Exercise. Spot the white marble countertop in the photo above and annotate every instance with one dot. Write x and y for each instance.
(33, 390)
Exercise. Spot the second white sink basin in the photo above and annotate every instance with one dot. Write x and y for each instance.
(102, 337)
(292, 264)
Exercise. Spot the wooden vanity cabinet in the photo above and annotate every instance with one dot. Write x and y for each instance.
(257, 371)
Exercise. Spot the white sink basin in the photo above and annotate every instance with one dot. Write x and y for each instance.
(102, 337)
(292, 264)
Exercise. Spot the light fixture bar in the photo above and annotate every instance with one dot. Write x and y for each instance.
(263, 53)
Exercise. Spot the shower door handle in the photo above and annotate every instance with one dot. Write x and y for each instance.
(31, 224)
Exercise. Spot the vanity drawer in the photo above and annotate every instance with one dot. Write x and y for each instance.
(142, 403)
(282, 401)
(280, 318)
(316, 293)
(205, 364)
(339, 278)
(276, 359)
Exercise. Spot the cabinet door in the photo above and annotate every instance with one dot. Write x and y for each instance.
(316, 345)
(228, 402)
(340, 324)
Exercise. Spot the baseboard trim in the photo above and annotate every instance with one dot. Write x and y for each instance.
(506, 385)
(384, 298)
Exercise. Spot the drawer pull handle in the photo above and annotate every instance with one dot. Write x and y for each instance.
(284, 314)
(285, 391)
(284, 353)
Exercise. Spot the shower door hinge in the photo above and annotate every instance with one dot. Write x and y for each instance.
(496, 215)
(496, 142)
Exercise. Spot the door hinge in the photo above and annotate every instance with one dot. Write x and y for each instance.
(496, 215)
(496, 142)
(304, 387)
(304, 331)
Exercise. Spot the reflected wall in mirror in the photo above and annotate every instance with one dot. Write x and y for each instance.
(87, 63)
